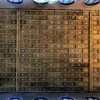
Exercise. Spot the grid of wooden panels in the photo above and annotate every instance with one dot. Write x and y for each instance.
(53, 50)
(49, 50)
(8, 31)
(95, 51)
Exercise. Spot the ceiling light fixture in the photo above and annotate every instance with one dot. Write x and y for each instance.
(66, 2)
(15, 1)
(40, 1)
(52, 1)
(91, 2)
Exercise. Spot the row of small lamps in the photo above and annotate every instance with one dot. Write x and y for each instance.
(62, 98)
(64, 2)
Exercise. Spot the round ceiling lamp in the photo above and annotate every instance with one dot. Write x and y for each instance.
(40, 98)
(40, 1)
(91, 2)
(52, 1)
(66, 2)
(15, 1)
(66, 98)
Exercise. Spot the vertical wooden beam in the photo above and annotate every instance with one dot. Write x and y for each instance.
(17, 50)
(91, 53)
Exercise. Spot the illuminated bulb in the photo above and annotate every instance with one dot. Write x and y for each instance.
(40, 98)
(52, 1)
(15, 1)
(91, 2)
(66, 98)
(41, 1)
(66, 2)
(91, 98)
(45, 1)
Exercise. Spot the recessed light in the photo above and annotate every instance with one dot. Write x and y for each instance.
(66, 2)
(91, 2)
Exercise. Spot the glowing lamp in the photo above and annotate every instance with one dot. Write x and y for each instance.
(52, 1)
(66, 98)
(15, 1)
(92, 98)
(40, 98)
(66, 2)
(91, 2)
(41, 1)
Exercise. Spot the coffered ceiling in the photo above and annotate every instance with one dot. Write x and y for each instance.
(31, 5)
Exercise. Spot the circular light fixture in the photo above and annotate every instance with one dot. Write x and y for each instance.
(92, 98)
(66, 2)
(15, 98)
(40, 1)
(66, 98)
(52, 1)
(40, 98)
(91, 2)
(15, 1)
